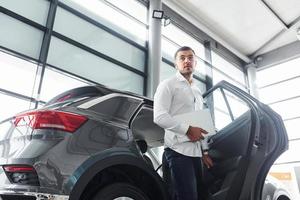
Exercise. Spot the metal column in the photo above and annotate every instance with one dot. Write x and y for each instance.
(154, 49)
(251, 72)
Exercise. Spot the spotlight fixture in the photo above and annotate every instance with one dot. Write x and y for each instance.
(167, 21)
(158, 14)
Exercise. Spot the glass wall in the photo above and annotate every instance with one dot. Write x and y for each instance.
(225, 70)
(17, 80)
(13, 32)
(127, 17)
(281, 91)
(94, 42)
(75, 43)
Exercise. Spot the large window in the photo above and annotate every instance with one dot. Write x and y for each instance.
(224, 70)
(37, 11)
(92, 67)
(105, 43)
(102, 11)
(133, 8)
(275, 73)
(13, 34)
(292, 155)
(10, 105)
(281, 91)
(292, 127)
(69, 43)
(92, 42)
(17, 75)
(56, 82)
(284, 90)
(176, 35)
(17, 82)
(166, 71)
(98, 39)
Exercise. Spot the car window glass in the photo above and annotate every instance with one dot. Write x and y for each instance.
(119, 108)
(237, 106)
(227, 107)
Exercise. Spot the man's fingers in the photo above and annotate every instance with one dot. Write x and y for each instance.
(201, 136)
(208, 161)
(196, 133)
(193, 138)
(203, 131)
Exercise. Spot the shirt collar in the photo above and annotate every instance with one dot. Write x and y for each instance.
(180, 77)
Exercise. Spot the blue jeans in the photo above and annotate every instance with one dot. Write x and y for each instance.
(185, 175)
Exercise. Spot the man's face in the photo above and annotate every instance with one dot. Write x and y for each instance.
(185, 62)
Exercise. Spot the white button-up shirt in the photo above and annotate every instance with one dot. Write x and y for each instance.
(176, 96)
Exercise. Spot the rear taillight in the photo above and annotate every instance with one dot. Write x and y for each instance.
(21, 174)
(50, 119)
(17, 168)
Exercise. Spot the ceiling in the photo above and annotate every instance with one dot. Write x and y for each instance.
(246, 27)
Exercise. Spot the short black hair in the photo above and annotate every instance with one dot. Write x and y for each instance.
(184, 48)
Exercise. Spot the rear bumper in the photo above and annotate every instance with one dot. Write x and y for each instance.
(9, 195)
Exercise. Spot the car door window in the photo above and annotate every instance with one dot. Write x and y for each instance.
(227, 107)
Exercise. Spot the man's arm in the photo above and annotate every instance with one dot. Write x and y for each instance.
(204, 144)
(162, 105)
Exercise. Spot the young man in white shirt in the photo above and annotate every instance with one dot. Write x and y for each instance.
(184, 145)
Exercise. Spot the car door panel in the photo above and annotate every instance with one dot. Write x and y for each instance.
(227, 154)
(242, 150)
(223, 143)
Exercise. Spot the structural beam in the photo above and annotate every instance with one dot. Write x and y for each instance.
(154, 49)
(251, 74)
(279, 55)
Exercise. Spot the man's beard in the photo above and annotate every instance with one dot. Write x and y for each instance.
(187, 72)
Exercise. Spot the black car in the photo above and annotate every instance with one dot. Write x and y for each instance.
(99, 143)
(275, 190)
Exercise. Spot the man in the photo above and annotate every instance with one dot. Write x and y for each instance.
(184, 144)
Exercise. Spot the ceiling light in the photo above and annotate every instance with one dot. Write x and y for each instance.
(158, 14)
(167, 21)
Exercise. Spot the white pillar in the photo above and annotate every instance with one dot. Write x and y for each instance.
(251, 73)
(154, 49)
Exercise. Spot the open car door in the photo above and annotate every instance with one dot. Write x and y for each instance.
(250, 137)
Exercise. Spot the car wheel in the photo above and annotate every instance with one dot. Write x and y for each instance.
(120, 191)
(283, 198)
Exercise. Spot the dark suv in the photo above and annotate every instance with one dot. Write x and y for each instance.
(99, 143)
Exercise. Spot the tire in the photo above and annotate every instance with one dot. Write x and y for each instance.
(117, 190)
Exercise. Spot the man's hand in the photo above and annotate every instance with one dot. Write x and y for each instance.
(207, 161)
(195, 133)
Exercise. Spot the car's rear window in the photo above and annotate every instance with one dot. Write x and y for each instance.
(120, 108)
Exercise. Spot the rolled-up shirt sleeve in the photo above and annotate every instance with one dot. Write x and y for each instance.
(204, 144)
(162, 105)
